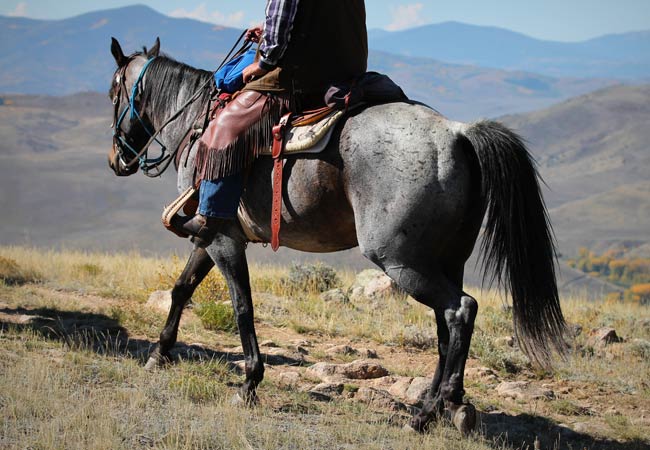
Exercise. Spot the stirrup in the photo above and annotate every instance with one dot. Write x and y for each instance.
(175, 206)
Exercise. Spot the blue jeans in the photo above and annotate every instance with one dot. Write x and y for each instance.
(220, 198)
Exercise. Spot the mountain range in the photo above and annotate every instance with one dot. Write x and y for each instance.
(623, 56)
(59, 57)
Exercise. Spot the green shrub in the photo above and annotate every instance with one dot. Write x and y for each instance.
(216, 316)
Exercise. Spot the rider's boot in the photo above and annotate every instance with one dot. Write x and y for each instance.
(202, 228)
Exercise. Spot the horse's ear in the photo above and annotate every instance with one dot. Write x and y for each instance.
(117, 52)
(155, 49)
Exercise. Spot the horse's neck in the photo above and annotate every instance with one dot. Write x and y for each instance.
(174, 132)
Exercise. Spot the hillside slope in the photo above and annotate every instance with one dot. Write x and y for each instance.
(593, 154)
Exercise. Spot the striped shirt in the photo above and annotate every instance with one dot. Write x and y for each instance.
(280, 15)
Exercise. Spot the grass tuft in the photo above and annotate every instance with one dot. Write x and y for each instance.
(216, 316)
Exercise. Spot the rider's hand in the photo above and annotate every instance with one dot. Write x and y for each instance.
(253, 72)
(254, 34)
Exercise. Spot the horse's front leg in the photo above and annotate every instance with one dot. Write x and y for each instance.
(229, 253)
(197, 267)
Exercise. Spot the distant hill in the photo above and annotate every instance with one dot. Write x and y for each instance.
(72, 55)
(56, 189)
(594, 153)
(466, 93)
(625, 56)
(59, 57)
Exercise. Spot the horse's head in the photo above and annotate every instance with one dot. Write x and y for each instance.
(131, 126)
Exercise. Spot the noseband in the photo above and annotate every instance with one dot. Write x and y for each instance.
(120, 142)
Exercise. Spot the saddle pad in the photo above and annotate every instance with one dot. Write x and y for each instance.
(309, 138)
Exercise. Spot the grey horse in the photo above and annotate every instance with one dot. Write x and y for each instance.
(401, 182)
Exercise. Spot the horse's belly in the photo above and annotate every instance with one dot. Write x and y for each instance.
(316, 215)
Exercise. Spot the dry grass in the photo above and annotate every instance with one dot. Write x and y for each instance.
(72, 376)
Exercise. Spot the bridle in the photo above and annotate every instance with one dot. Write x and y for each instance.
(151, 167)
(120, 143)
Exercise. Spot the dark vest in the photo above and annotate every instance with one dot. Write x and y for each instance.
(328, 44)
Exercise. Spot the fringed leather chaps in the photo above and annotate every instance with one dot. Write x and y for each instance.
(237, 135)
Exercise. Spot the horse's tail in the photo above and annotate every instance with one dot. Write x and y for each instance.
(518, 247)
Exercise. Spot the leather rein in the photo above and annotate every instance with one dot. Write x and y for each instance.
(151, 167)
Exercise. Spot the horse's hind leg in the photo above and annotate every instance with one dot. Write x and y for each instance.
(455, 314)
(455, 327)
(197, 267)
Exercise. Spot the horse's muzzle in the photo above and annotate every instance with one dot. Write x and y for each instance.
(115, 163)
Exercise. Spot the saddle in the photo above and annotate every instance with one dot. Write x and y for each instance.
(309, 132)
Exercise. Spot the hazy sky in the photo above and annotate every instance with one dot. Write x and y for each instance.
(563, 20)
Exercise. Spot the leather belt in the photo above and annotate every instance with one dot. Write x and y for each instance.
(278, 165)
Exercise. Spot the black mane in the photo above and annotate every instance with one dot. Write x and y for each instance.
(165, 78)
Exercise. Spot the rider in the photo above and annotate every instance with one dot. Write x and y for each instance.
(305, 46)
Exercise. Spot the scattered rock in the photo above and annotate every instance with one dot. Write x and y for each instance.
(268, 343)
(323, 371)
(286, 353)
(383, 382)
(326, 390)
(356, 370)
(399, 388)
(604, 336)
(160, 300)
(341, 350)
(378, 398)
(523, 390)
(363, 370)
(417, 390)
(288, 378)
(372, 283)
(368, 353)
(481, 373)
(335, 295)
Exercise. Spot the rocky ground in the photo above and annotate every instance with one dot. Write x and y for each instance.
(332, 389)
(522, 409)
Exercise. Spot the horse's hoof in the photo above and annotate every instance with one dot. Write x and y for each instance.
(157, 361)
(464, 418)
(245, 401)
(409, 429)
(153, 363)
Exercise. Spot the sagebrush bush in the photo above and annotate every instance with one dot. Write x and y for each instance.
(311, 278)
(12, 273)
